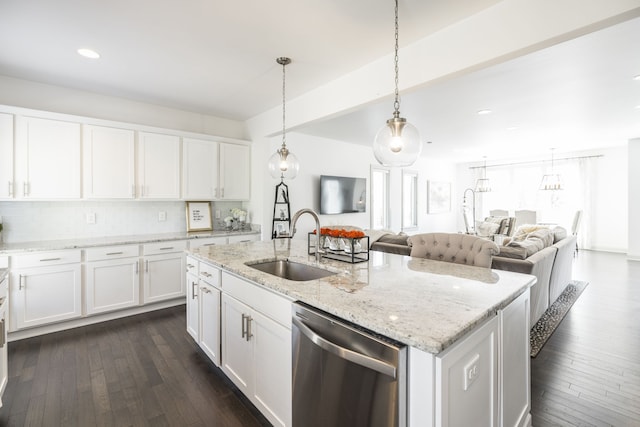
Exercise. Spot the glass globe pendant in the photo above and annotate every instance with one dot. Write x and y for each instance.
(398, 142)
(283, 163)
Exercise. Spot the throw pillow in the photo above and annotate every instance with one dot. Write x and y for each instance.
(487, 228)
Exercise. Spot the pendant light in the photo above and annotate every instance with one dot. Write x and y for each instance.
(398, 142)
(283, 163)
(482, 184)
(551, 181)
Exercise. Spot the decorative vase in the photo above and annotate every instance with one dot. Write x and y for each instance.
(334, 243)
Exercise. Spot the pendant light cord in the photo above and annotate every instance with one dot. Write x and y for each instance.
(284, 63)
(396, 103)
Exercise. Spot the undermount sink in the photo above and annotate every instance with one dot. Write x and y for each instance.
(291, 270)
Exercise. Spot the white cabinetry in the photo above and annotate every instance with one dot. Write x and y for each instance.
(108, 163)
(158, 166)
(209, 311)
(47, 159)
(6, 156)
(112, 280)
(193, 320)
(235, 172)
(199, 169)
(164, 266)
(515, 375)
(4, 302)
(45, 287)
(256, 346)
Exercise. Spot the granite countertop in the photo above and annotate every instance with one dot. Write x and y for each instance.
(422, 303)
(50, 245)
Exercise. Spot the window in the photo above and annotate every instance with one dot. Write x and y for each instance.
(409, 199)
(379, 198)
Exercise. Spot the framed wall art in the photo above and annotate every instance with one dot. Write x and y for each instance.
(199, 216)
(438, 197)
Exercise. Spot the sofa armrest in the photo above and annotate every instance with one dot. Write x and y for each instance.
(562, 267)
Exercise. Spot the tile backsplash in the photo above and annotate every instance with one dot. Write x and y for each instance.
(33, 221)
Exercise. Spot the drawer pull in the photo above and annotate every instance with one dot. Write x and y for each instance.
(167, 248)
(20, 285)
(205, 274)
(50, 259)
(193, 290)
(115, 253)
(209, 244)
(205, 290)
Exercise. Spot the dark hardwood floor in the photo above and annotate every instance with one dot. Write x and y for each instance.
(588, 373)
(145, 370)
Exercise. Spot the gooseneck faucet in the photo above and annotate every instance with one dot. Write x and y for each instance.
(294, 219)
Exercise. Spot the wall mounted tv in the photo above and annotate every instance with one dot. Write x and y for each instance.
(341, 194)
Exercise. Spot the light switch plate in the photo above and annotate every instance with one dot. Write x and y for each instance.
(91, 218)
(162, 216)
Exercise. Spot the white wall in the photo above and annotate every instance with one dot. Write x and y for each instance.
(319, 156)
(634, 199)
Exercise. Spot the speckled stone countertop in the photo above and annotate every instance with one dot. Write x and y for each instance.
(422, 303)
(51, 245)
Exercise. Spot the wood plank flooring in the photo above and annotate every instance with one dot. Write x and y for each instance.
(588, 373)
(143, 370)
(146, 371)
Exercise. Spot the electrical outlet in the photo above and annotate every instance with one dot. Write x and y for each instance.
(91, 218)
(471, 372)
(162, 216)
(217, 213)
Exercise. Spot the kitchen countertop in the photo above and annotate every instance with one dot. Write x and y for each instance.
(50, 245)
(422, 303)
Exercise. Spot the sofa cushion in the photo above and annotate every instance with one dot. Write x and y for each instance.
(395, 239)
(512, 252)
(530, 246)
(487, 228)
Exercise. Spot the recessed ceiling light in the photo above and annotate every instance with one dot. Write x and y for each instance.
(484, 112)
(88, 53)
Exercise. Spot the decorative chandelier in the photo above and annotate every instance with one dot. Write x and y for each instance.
(551, 181)
(482, 184)
(283, 163)
(398, 142)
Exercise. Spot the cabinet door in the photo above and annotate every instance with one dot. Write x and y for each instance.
(158, 166)
(237, 351)
(48, 159)
(4, 372)
(164, 277)
(45, 295)
(108, 163)
(467, 380)
(235, 172)
(199, 169)
(272, 367)
(515, 393)
(193, 309)
(210, 321)
(112, 285)
(6, 156)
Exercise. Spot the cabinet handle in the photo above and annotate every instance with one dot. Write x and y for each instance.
(25, 188)
(20, 282)
(244, 331)
(209, 244)
(222, 193)
(50, 259)
(146, 266)
(166, 249)
(193, 290)
(205, 290)
(249, 334)
(215, 193)
(3, 334)
(189, 267)
(10, 189)
(206, 274)
(114, 253)
(137, 266)
(133, 191)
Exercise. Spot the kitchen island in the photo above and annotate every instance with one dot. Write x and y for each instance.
(452, 318)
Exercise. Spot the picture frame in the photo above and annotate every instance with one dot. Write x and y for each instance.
(438, 197)
(198, 216)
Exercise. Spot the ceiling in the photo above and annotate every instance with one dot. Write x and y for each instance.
(218, 58)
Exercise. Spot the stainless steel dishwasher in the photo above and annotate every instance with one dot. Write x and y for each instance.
(343, 375)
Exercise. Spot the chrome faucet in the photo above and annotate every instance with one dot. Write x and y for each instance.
(294, 219)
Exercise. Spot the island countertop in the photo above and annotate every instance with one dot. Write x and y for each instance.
(423, 303)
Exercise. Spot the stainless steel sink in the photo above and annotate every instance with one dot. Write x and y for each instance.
(291, 270)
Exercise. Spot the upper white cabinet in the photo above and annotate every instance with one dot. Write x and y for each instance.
(158, 166)
(47, 159)
(214, 170)
(108, 162)
(235, 172)
(6, 156)
(199, 169)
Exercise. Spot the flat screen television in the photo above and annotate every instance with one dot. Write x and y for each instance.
(341, 194)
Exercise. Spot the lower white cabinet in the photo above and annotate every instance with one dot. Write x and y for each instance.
(45, 287)
(209, 298)
(112, 280)
(256, 346)
(193, 310)
(164, 266)
(4, 302)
